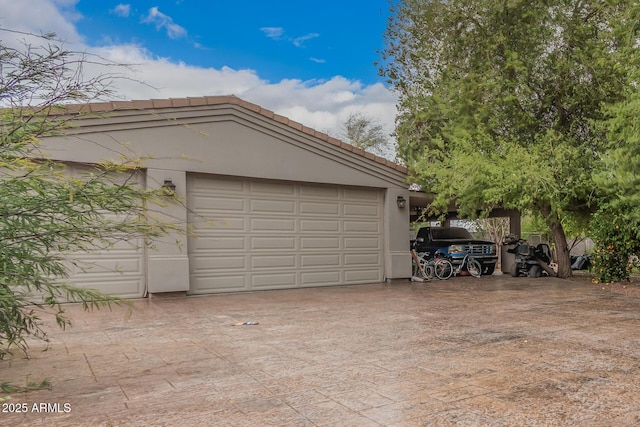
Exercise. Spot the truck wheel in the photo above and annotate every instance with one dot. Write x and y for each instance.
(535, 271)
(487, 270)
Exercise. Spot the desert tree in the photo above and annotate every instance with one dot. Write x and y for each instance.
(365, 133)
(46, 213)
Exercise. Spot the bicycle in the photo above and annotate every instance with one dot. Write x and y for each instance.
(439, 267)
(470, 264)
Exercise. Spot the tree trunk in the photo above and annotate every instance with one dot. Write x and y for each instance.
(562, 249)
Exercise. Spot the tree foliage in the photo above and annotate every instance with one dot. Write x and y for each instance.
(615, 227)
(365, 133)
(615, 231)
(499, 101)
(46, 213)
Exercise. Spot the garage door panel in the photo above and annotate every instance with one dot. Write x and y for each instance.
(220, 224)
(320, 260)
(365, 227)
(218, 242)
(262, 187)
(366, 243)
(273, 261)
(320, 242)
(273, 206)
(320, 278)
(215, 263)
(117, 270)
(96, 265)
(317, 208)
(274, 243)
(219, 185)
(272, 225)
(126, 287)
(370, 211)
(211, 204)
(273, 280)
(310, 225)
(371, 259)
(362, 276)
(219, 283)
(117, 246)
(302, 235)
(311, 191)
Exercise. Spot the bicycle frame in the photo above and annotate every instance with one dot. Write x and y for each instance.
(470, 264)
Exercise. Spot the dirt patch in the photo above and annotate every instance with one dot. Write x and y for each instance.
(629, 288)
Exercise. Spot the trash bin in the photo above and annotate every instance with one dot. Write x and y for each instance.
(507, 259)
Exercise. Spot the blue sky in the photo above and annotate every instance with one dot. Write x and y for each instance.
(280, 39)
(312, 61)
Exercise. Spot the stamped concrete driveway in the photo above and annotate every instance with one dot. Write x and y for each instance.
(494, 351)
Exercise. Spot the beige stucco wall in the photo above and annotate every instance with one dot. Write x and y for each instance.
(397, 257)
(228, 143)
(228, 140)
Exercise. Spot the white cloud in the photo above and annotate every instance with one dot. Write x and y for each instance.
(317, 60)
(323, 105)
(122, 10)
(273, 32)
(37, 16)
(160, 20)
(277, 33)
(298, 41)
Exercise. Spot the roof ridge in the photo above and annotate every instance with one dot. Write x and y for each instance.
(107, 106)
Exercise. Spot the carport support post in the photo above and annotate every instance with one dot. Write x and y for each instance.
(515, 223)
(167, 260)
(397, 254)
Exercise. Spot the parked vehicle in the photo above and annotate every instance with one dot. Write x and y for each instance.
(531, 261)
(455, 243)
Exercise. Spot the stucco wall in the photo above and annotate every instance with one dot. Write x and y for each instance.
(228, 140)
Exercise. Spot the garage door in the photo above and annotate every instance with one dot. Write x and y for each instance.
(256, 234)
(119, 269)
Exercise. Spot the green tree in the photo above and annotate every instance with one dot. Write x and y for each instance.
(615, 230)
(365, 133)
(619, 177)
(46, 214)
(498, 100)
(615, 227)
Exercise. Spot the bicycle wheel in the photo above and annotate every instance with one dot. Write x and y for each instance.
(427, 267)
(443, 269)
(421, 267)
(474, 267)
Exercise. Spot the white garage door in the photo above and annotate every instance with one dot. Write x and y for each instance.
(117, 270)
(255, 234)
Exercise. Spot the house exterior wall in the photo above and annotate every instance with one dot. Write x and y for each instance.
(230, 139)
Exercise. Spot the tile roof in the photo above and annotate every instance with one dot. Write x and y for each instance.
(103, 107)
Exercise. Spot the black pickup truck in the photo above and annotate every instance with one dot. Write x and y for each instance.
(454, 243)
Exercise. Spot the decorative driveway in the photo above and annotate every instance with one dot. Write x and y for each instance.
(493, 351)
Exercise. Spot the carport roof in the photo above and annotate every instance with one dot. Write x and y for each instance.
(173, 103)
